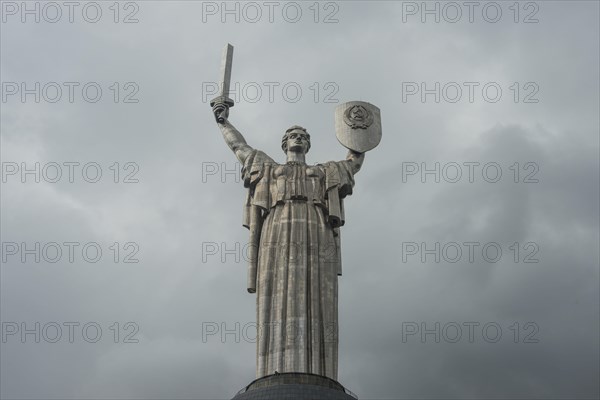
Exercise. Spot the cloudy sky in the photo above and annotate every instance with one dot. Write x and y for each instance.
(470, 251)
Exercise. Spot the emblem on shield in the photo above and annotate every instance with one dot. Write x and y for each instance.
(358, 125)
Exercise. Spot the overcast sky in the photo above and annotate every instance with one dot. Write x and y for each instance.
(494, 249)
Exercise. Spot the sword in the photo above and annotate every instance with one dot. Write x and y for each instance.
(226, 62)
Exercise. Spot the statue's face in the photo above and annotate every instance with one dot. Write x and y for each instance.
(298, 141)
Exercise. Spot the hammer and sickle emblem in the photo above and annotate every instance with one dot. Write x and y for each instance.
(358, 117)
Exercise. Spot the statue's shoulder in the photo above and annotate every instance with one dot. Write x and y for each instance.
(332, 165)
(257, 158)
(256, 166)
(326, 164)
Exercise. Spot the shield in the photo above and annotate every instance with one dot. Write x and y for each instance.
(358, 125)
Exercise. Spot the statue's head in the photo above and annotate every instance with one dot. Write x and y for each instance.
(296, 139)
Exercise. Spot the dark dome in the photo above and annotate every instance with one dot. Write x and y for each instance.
(294, 386)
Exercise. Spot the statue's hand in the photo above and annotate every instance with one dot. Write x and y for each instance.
(221, 112)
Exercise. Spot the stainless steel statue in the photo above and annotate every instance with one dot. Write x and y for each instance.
(294, 211)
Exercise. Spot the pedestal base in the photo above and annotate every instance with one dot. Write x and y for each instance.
(294, 386)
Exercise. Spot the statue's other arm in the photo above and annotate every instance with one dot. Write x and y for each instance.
(355, 159)
(232, 136)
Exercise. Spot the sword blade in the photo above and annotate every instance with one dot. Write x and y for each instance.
(226, 63)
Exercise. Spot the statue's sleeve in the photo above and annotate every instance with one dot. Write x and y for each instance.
(339, 182)
(256, 173)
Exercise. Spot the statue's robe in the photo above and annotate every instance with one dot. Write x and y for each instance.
(294, 212)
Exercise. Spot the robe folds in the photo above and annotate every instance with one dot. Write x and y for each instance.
(294, 212)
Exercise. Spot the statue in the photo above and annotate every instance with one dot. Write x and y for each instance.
(294, 212)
